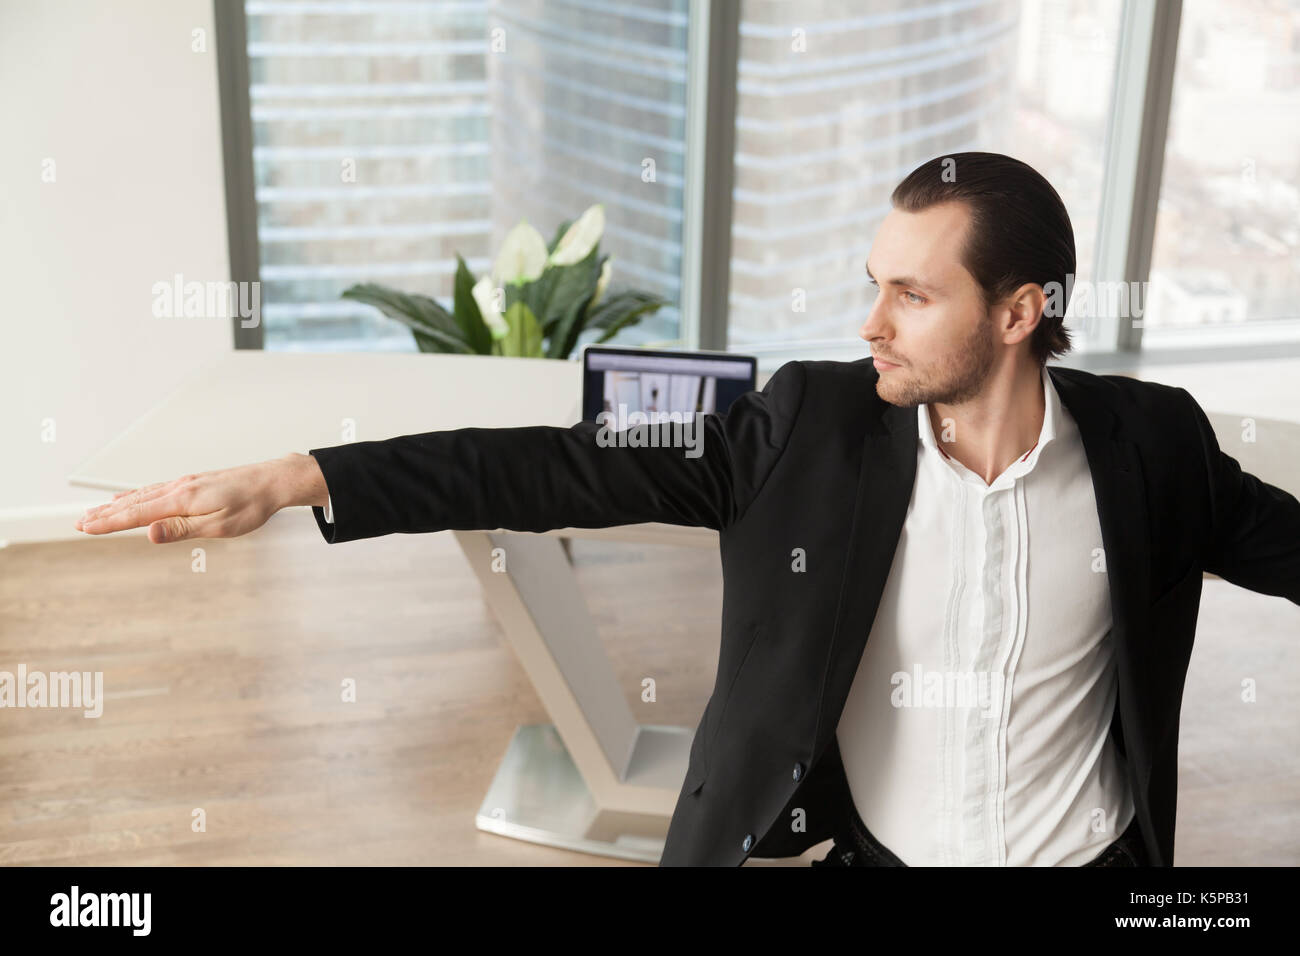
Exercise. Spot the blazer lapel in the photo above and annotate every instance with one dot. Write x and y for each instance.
(885, 480)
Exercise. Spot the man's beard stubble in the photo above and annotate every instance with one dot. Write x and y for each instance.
(957, 381)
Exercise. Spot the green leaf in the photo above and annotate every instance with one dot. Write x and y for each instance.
(620, 310)
(559, 234)
(427, 343)
(467, 314)
(550, 295)
(537, 294)
(560, 297)
(574, 322)
(435, 330)
(525, 336)
(519, 292)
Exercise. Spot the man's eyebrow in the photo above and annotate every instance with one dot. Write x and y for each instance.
(906, 281)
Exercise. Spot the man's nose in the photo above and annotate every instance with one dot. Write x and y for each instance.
(875, 326)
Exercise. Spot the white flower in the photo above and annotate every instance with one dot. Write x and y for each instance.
(522, 257)
(485, 295)
(601, 282)
(580, 238)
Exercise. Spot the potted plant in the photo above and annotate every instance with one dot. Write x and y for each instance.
(537, 300)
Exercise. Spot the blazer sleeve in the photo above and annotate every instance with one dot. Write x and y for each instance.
(542, 477)
(1254, 527)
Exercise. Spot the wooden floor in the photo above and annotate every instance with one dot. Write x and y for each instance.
(223, 693)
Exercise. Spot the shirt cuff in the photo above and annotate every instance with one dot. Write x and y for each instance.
(325, 519)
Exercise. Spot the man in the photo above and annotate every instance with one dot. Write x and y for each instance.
(960, 587)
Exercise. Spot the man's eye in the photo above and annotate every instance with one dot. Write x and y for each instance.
(914, 298)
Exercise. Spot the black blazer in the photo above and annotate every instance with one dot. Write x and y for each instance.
(817, 460)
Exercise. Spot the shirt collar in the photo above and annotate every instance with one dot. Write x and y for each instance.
(1051, 416)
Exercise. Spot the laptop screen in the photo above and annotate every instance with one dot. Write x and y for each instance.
(662, 382)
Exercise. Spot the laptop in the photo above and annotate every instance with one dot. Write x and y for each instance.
(659, 383)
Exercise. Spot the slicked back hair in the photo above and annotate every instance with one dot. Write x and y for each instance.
(1019, 231)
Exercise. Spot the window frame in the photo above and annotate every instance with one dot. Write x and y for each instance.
(237, 156)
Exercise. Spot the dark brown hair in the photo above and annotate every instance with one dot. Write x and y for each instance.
(1019, 231)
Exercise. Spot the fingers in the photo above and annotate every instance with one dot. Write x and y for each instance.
(186, 527)
(130, 514)
(169, 529)
(126, 499)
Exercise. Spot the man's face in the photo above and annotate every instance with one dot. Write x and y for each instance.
(929, 317)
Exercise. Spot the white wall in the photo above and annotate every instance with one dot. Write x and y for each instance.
(114, 95)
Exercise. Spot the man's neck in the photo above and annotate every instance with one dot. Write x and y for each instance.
(991, 431)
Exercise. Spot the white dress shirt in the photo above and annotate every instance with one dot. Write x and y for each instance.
(329, 510)
(999, 590)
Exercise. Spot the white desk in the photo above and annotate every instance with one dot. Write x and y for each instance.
(595, 780)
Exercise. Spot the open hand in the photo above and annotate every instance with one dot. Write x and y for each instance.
(211, 504)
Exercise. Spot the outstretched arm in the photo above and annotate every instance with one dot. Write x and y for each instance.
(534, 478)
(539, 478)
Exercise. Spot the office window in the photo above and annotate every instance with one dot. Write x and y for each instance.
(388, 136)
(838, 101)
(370, 155)
(589, 105)
(1226, 261)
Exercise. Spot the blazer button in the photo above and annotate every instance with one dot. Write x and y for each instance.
(749, 842)
(798, 772)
